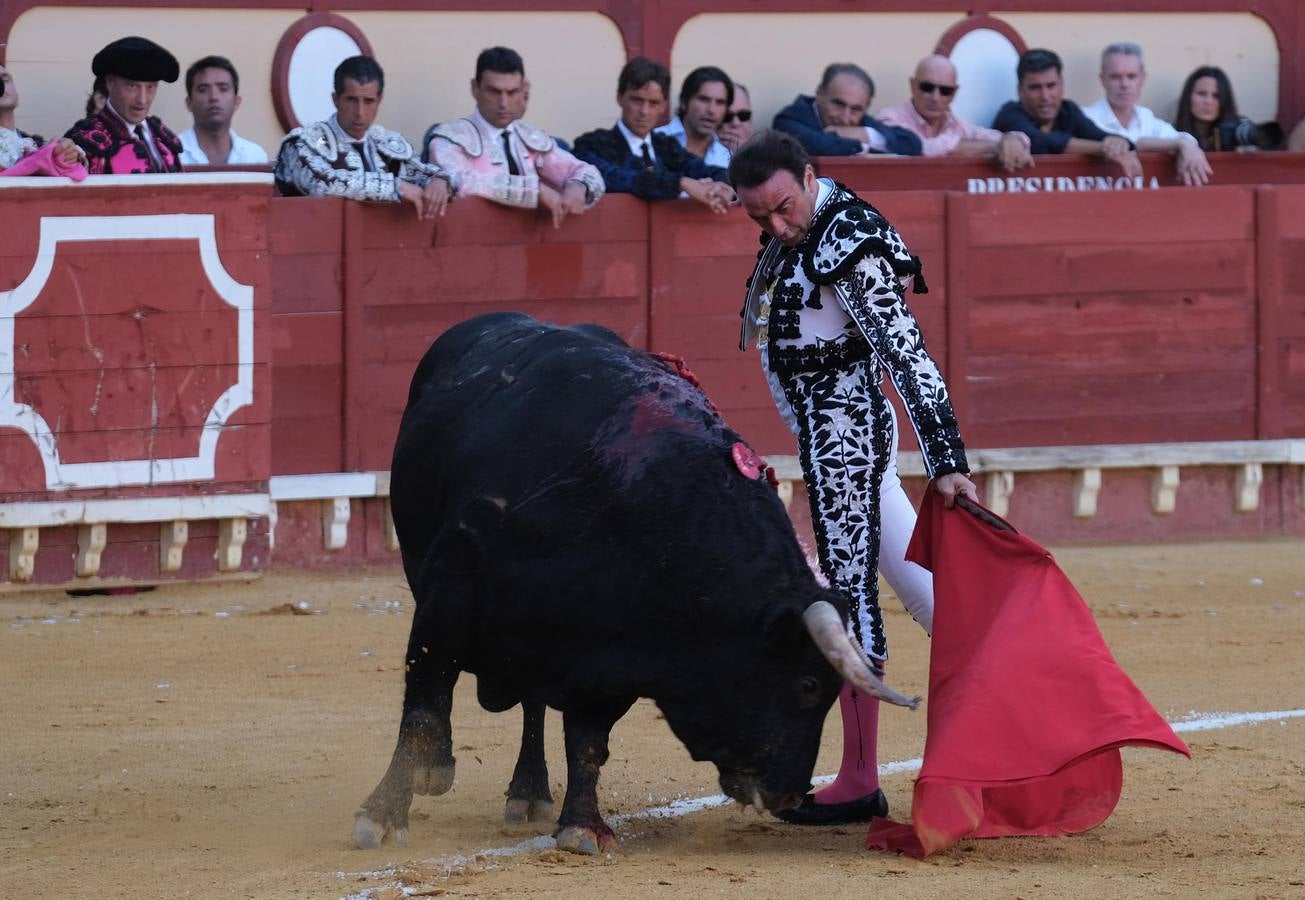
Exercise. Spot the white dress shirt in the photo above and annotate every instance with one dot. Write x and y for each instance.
(1144, 124)
(717, 153)
(637, 143)
(243, 152)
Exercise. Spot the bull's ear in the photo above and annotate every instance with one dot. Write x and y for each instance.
(784, 629)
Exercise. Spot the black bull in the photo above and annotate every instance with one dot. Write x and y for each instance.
(578, 532)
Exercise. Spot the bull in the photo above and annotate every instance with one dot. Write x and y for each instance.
(580, 529)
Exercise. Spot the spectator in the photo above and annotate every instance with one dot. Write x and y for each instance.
(494, 154)
(705, 98)
(736, 127)
(1057, 125)
(349, 155)
(1208, 112)
(929, 114)
(123, 138)
(1122, 75)
(17, 145)
(213, 96)
(834, 121)
(96, 99)
(633, 159)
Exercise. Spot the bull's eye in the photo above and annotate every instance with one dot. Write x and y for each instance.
(810, 689)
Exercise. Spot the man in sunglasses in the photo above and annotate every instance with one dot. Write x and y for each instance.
(929, 114)
(737, 125)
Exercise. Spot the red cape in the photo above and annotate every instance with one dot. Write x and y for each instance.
(1027, 707)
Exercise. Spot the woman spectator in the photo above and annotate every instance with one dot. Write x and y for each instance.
(1208, 112)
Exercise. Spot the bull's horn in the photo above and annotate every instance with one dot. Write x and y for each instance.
(826, 628)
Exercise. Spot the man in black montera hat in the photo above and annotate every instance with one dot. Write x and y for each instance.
(123, 138)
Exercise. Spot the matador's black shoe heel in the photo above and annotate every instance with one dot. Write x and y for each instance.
(809, 812)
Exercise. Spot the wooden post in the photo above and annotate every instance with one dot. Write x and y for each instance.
(1087, 484)
(1247, 487)
(90, 546)
(1164, 489)
(998, 490)
(231, 542)
(172, 544)
(335, 523)
(23, 543)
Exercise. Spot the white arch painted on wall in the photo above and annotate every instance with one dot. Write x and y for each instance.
(312, 66)
(985, 62)
(60, 475)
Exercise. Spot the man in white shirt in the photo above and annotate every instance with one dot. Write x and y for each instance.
(1122, 76)
(213, 96)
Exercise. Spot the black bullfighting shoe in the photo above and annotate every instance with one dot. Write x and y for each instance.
(809, 812)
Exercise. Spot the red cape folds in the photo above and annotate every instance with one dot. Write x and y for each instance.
(1027, 707)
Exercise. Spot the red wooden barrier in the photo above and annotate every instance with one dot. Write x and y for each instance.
(406, 282)
(1107, 318)
(129, 312)
(1281, 264)
(125, 334)
(134, 366)
(1051, 174)
(307, 321)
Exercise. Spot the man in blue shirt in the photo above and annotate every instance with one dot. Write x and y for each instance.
(705, 97)
(633, 159)
(1057, 125)
(834, 121)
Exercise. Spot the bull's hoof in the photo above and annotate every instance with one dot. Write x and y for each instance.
(585, 841)
(517, 811)
(432, 780)
(368, 834)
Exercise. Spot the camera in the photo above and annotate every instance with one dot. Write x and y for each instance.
(1244, 133)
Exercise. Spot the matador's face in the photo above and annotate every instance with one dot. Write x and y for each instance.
(782, 205)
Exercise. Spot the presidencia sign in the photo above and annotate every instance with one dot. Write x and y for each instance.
(1036, 184)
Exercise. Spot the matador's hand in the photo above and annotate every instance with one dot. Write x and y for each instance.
(954, 483)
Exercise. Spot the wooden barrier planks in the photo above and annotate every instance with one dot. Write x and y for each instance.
(306, 236)
(1281, 326)
(1107, 317)
(407, 281)
(125, 335)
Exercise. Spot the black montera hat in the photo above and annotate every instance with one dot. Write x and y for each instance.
(137, 58)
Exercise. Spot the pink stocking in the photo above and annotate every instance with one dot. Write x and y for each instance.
(858, 774)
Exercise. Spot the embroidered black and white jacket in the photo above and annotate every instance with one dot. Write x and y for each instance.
(322, 160)
(839, 296)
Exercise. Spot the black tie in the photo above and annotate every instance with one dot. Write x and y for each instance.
(513, 168)
(647, 156)
(361, 147)
(139, 131)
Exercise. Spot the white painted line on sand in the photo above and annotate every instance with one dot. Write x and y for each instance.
(1193, 721)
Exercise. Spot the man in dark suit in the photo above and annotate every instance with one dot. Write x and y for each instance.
(835, 122)
(635, 160)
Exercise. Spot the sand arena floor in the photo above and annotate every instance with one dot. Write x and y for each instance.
(215, 740)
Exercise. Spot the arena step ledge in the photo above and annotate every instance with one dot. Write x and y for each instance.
(24, 521)
(1000, 466)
